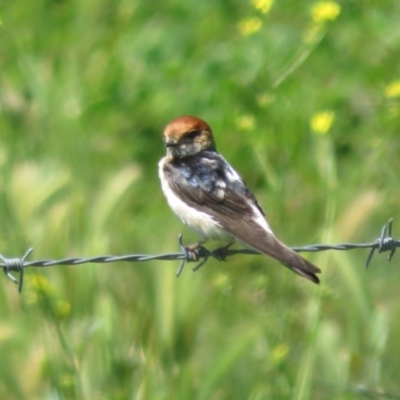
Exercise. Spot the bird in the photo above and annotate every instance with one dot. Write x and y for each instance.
(211, 198)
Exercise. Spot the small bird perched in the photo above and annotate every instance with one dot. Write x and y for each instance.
(211, 198)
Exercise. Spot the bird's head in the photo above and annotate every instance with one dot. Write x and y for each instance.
(187, 136)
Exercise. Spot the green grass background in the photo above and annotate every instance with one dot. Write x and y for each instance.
(86, 88)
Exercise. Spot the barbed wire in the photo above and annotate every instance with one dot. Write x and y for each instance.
(384, 243)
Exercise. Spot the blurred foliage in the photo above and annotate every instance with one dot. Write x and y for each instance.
(304, 100)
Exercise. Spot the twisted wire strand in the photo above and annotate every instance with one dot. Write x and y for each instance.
(383, 244)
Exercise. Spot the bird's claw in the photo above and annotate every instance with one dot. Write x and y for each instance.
(192, 254)
(221, 253)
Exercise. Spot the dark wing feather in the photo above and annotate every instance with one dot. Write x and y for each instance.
(206, 183)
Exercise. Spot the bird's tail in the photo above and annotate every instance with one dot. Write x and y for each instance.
(303, 267)
(267, 243)
(273, 247)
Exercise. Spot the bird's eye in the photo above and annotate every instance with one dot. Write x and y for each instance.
(193, 134)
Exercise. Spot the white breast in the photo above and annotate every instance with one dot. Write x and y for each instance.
(199, 221)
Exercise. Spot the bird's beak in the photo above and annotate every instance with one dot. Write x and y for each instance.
(171, 143)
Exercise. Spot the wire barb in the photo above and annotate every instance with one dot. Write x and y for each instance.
(18, 265)
(384, 243)
(193, 254)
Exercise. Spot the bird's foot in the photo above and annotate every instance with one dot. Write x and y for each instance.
(191, 255)
(221, 253)
(191, 252)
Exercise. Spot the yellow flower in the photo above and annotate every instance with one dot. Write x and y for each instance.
(325, 11)
(249, 26)
(393, 89)
(265, 99)
(280, 352)
(245, 122)
(322, 121)
(262, 5)
(63, 309)
(41, 284)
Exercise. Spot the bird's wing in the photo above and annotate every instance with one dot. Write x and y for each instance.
(209, 184)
